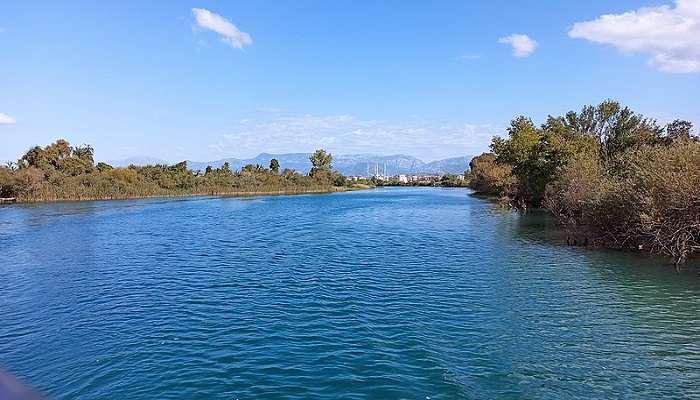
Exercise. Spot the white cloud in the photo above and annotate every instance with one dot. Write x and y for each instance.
(522, 44)
(345, 134)
(669, 35)
(6, 119)
(229, 32)
(470, 57)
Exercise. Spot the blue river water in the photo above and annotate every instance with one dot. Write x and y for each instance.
(384, 294)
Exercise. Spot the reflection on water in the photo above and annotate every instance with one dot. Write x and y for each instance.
(391, 293)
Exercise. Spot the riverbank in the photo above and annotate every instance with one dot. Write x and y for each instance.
(610, 176)
(237, 193)
(61, 172)
(581, 236)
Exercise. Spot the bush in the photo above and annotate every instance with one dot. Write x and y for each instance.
(488, 176)
(652, 203)
(7, 183)
(607, 173)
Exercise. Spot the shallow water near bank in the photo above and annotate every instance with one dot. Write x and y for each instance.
(395, 293)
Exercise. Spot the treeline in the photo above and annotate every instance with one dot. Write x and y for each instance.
(60, 171)
(447, 180)
(613, 177)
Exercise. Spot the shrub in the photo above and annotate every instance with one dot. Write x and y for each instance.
(652, 203)
(488, 176)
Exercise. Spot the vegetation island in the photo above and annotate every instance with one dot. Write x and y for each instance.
(60, 171)
(612, 177)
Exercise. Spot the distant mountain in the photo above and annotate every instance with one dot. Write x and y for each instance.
(296, 161)
(350, 164)
(455, 165)
(369, 164)
(138, 160)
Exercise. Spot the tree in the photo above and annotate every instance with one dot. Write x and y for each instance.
(320, 162)
(48, 158)
(104, 167)
(85, 153)
(488, 176)
(29, 180)
(7, 182)
(275, 166)
(34, 157)
(180, 167)
(529, 152)
(679, 130)
(630, 131)
(225, 169)
(615, 128)
(74, 166)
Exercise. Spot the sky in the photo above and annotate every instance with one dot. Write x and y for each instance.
(205, 80)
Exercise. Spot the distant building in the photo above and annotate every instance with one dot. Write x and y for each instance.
(403, 179)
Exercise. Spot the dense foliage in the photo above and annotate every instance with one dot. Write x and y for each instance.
(489, 176)
(60, 171)
(612, 176)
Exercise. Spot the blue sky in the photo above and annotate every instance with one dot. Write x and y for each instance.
(430, 79)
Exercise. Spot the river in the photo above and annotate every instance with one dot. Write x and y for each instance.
(397, 293)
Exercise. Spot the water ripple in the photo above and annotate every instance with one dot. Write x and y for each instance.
(387, 294)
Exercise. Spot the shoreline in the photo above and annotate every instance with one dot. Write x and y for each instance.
(581, 237)
(334, 189)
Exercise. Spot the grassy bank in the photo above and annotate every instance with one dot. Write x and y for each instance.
(333, 189)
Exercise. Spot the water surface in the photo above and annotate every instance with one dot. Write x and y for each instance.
(384, 294)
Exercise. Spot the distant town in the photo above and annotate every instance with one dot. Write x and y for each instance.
(381, 177)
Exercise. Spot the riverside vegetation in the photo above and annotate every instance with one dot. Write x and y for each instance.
(60, 171)
(612, 177)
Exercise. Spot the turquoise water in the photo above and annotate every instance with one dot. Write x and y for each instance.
(384, 294)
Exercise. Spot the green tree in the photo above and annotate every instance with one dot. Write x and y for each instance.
(85, 153)
(74, 166)
(320, 163)
(679, 130)
(615, 128)
(275, 166)
(532, 156)
(225, 169)
(488, 176)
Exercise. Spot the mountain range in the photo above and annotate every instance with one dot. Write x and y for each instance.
(349, 164)
(137, 160)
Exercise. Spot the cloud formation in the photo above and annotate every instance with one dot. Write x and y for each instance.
(345, 134)
(230, 34)
(6, 119)
(669, 35)
(522, 44)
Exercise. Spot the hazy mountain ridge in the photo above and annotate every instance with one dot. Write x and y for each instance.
(347, 164)
(136, 160)
(454, 165)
